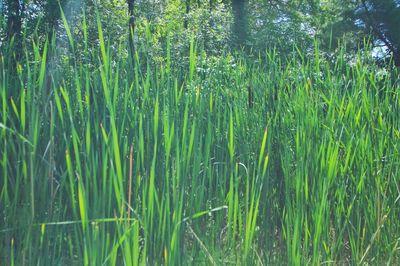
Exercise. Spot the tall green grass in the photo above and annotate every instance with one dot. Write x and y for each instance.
(128, 163)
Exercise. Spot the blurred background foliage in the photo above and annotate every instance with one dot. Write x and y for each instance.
(218, 26)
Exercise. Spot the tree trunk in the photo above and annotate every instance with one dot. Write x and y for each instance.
(240, 22)
(131, 13)
(52, 15)
(14, 42)
(14, 26)
(396, 58)
(185, 22)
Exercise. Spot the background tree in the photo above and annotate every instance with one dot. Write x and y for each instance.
(240, 24)
(352, 21)
(14, 25)
(187, 10)
(131, 14)
(382, 18)
(253, 23)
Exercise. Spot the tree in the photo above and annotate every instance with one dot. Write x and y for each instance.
(377, 20)
(131, 13)
(14, 25)
(382, 17)
(51, 15)
(240, 23)
(187, 6)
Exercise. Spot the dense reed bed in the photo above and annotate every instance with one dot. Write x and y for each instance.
(253, 162)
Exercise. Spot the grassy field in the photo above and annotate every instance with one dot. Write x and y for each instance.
(227, 161)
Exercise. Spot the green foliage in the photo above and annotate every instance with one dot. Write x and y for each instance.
(161, 164)
(190, 151)
(216, 25)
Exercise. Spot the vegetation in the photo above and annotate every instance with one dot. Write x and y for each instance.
(167, 148)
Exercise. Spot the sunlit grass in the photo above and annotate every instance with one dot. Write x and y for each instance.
(141, 164)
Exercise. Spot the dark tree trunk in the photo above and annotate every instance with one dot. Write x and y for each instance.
(240, 22)
(131, 13)
(14, 42)
(396, 57)
(14, 26)
(185, 22)
(52, 14)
